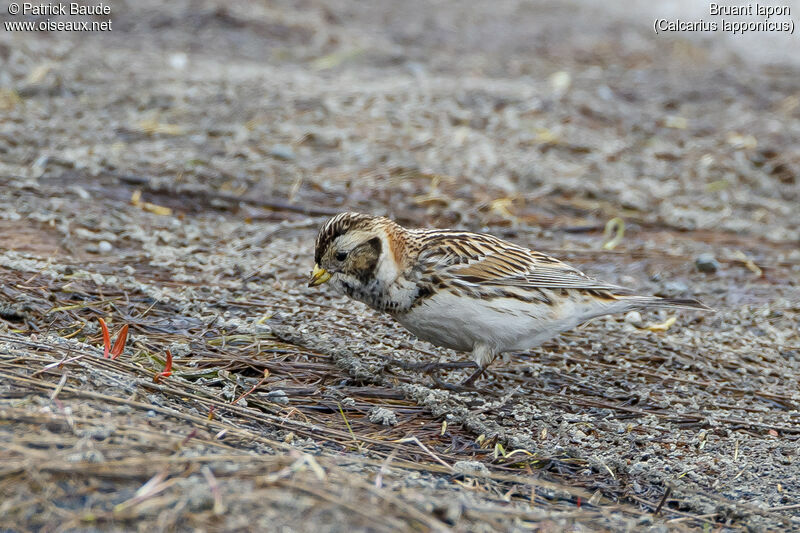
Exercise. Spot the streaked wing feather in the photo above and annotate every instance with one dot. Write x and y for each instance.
(488, 261)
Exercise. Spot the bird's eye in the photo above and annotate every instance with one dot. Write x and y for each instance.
(341, 256)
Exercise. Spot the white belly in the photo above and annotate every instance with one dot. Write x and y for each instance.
(497, 325)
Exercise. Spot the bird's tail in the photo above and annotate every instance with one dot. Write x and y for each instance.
(677, 303)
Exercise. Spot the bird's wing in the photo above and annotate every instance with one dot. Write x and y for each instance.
(484, 260)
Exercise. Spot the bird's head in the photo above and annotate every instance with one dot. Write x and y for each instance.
(349, 248)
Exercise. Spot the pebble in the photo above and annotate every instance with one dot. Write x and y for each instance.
(178, 61)
(676, 287)
(634, 318)
(104, 247)
(383, 416)
(577, 434)
(706, 263)
(278, 396)
(87, 456)
(284, 152)
(470, 468)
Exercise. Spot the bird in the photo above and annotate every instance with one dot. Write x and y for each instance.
(470, 292)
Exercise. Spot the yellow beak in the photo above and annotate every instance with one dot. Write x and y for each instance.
(318, 276)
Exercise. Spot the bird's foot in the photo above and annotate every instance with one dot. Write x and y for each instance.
(439, 384)
(468, 385)
(475, 375)
(427, 368)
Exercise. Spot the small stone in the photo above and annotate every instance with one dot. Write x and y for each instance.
(99, 433)
(560, 82)
(104, 247)
(284, 152)
(675, 287)
(278, 396)
(604, 92)
(178, 60)
(470, 468)
(634, 318)
(383, 416)
(577, 434)
(86, 456)
(179, 349)
(706, 263)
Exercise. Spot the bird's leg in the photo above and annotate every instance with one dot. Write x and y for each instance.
(474, 376)
(483, 356)
(448, 386)
(427, 368)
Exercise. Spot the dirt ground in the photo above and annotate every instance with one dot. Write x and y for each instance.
(170, 175)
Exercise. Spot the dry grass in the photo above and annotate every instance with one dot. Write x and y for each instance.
(95, 442)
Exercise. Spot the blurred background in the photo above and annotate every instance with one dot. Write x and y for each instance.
(432, 107)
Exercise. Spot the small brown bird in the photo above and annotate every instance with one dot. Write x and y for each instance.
(465, 291)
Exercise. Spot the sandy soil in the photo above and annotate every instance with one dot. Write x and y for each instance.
(171, 175)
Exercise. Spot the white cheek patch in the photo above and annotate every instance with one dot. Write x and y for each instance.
(387, 270)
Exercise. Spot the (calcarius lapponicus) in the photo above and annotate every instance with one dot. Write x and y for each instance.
(465, 291)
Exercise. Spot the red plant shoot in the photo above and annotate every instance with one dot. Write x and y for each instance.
(106, 338)
(119, 345)
(167, 369)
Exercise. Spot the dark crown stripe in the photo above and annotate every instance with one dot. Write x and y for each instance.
(336, 226)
